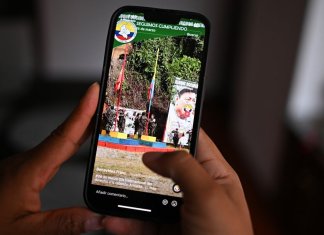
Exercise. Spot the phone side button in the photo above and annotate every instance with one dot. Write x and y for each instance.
(134, 208)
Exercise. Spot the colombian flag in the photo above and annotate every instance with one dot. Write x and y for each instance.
(122, 38)
(151, 90)
(150, 93)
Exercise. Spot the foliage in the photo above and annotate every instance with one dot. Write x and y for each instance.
(178, 57)
(186, 67)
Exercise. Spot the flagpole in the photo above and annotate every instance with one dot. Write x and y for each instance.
(121, 86)
(152, 90)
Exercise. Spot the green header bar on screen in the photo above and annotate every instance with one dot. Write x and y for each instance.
(147, 30)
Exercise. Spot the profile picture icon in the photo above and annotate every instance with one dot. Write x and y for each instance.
(125, 31)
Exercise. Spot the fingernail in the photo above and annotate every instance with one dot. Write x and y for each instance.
(94, 84)
(93, 224)
(151, 156)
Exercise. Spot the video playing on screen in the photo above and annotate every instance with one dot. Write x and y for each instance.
(150, 100)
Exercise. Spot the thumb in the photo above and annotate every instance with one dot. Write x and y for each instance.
(69, 221)
(182, 168)
(65, 140)
(68, 137)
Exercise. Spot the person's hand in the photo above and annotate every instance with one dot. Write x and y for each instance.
(213, 198)
(23, 176)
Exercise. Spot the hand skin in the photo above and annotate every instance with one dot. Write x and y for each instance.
(213, 198)
(23, 176)
(214, 201)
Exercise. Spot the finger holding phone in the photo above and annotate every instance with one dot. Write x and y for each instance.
(214, 201)
(24, 176)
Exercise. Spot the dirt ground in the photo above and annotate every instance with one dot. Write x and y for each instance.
(122, 169)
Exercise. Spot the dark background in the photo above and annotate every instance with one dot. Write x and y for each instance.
(51, 51)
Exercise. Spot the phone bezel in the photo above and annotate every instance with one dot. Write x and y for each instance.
(96, 202)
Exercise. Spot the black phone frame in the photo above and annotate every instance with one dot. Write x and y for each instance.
(108, 206)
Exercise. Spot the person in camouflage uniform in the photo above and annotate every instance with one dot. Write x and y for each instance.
(109, 116)
(136, 123)
(152, 125)
(142, 124)
(175, 137)
(121, 121)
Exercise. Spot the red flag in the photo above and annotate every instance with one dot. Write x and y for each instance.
(118, 85)
(119, 80)
(121, 76)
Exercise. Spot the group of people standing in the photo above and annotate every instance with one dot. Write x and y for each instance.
(109, 118)
(181, 139)
(141, 122)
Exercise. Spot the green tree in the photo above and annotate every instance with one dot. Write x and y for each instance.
(178, 57)
(186, 67)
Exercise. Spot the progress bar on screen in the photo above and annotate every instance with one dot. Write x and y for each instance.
(134, 208)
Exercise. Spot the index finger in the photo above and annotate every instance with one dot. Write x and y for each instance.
(67, 138)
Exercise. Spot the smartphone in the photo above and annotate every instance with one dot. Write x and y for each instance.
(150, 100)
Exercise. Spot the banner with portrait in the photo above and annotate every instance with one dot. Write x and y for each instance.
(181, 113)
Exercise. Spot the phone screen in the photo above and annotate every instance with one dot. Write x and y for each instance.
(150, 101)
